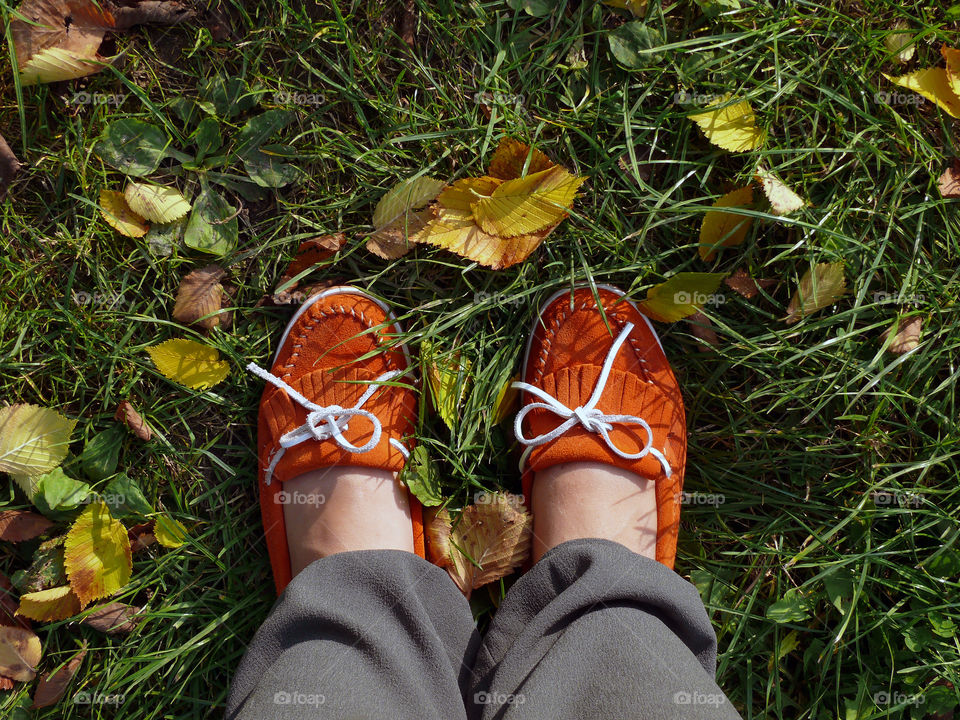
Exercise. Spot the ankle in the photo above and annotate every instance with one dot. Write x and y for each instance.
(593, 500)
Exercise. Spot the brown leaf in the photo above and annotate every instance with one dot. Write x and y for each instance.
(907, 335)
(141, 536)
(8, 606)
(9, 167)
(742, 283)
(20, 652)
(155, 12)
(128, 415)
(52, 686)
(114, 618)
(701, 327)
(20, 525)
(396, 240)
(200, 298)
(408, 23)
(490, 541)
(949, 182)
(77, 26)
(310, 253)
(6, 683)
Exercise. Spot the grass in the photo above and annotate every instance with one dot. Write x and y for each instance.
(825, 594)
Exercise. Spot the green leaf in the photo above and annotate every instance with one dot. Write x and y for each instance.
(46, 570)
(942, 624)
(132, 147)
(917, 638)
(682, 295)
(229, 96)
(101, 454)
(266, 167)
(792, 607)
(57, 493)
(261, 128)
(839, 587)
(422, 478)
(534, 8)
(125, 498)
(213, 224)
(634, 45)
(712, 8)
(207, 137)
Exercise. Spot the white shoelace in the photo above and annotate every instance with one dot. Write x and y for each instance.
(593, 420)
(325, 423)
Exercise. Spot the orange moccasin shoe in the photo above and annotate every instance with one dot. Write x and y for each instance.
(593, 393)
(335, 396)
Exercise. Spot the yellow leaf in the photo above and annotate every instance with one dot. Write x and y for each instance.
(725, 229)
(467, 192)
(783, 200)
(491, 540)
(682, 295)
(155, 202)
(952, 57)
(57, 603)
(448, 377)
(97, 554)
(20, 653)
(506, 400)
(117, 213)
(404, 197)
(56, 64)
(169, 532)
(189, 363)
(511, 155)
(455, 230)
(33, 441)
(731, 126)
(934, 85)
(526, 205)
(819, 287)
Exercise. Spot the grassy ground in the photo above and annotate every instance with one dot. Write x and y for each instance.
(825, 595)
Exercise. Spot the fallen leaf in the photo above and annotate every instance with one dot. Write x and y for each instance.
(490, 541)
(741, 282)
(33, 441)
(169, 532)
(395, 222)
(506, 401)
(396, 240)
(702, 327)
(310, 253)
(819, 287)
(141, 536)
(9, 167)
(936, 84)
(213, 227)
(199, 298)
(783, 200)
(421, 477)
(952, 57)
(949, 183)
(900, 45)
(52, 686)
(448, 377)
(682, 295)
(119, 215)
(45, 570)
(189, 363)
(153, 12)
(97, 554)
(156, 203)
(408, 23)
(510, 157)
(725, 229)
(114, 618)
(61, 40)
(732, 126)
(20, 525)
(527, 205)
(636, 45)
(129, 416)
(20, 653)
(907, 334)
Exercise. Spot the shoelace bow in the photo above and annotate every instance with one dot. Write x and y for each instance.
(327, 422)
(592, 419)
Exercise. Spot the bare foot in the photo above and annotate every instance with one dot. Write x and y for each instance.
(336, 509)
(593, 500)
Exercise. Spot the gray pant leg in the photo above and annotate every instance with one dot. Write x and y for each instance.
(596, 631)
(367, 634)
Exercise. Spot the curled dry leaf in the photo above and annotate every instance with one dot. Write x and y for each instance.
(20, 652)
(949, 182)
(311, 252)
(819, 287)
(115, 618)
(741, 283)
(200, 298)
(141, 536)
(490, 541)
(906, 334)
(52, 686)
(20, 525)
(129, 416)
